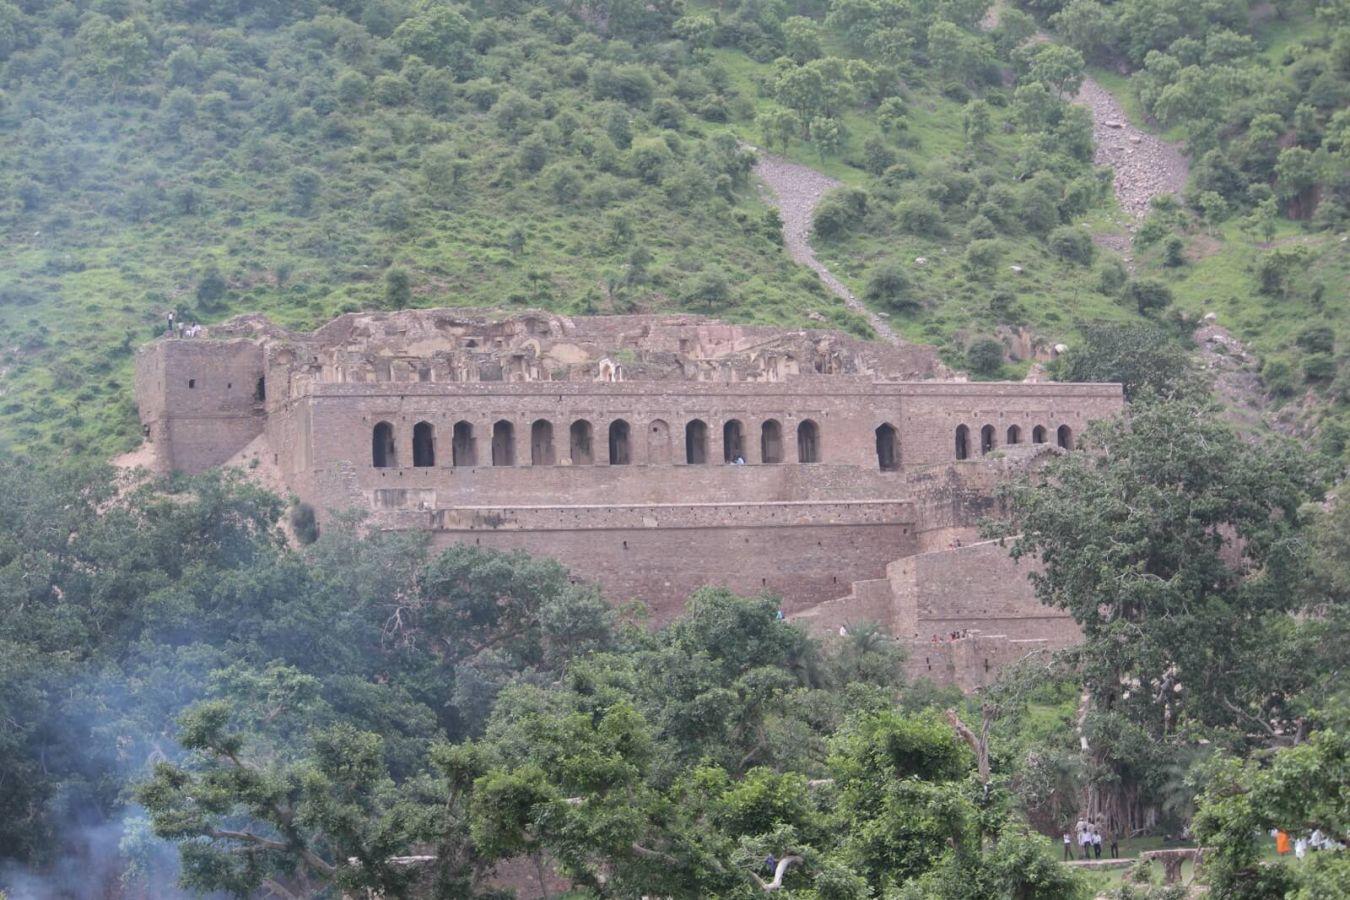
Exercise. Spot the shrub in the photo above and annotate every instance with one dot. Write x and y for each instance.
(1073, 245)
(839, 211)
(391, 208)
(888, 285)
(1278, 377)
(1174, 252)
(1148, 295)
(919, 216)
(211, 287)
(1111, 277)
(985, 357)
(397, 288)
(1319, 367)
(982, 257)
(877, 155)
(1316, 339)
(709, 288)
(533, 154)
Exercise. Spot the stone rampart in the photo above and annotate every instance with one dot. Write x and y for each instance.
(651, 454)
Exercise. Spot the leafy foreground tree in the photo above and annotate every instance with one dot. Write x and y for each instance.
(1182, 553)
(359, 713)
(1299, 789)
(568, 771)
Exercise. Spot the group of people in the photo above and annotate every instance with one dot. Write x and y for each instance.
(1089, 840)
(182, 329)
(1301, 845)
(953, 636)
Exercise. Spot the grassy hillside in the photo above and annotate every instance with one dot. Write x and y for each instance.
(303, 159)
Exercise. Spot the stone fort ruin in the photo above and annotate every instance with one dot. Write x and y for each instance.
(651, 454)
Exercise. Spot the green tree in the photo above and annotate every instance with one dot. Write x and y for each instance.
(1057, 67)
(1149, 295)
(1187, 490)
(116, 52)
(1142, 358)
(801, 39)
(305, 186)
(828, 137)
(976, 123)
(985, 357)
(397, 288)
(888, 285)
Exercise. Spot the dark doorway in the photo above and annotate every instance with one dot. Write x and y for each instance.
(583, 453)
(620, 454)
(771, 442)
(1014, 434)
(1065, 437)
(808, 442)
(424, 445)
(986, 439)
(503, 443)
(462, 445)
(733, 442)
(888, 449)
(696, 443)
(383, 452)
(1038, 434)
(541, 443)
(962, 442)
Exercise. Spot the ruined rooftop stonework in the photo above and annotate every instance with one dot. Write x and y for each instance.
(653, 454)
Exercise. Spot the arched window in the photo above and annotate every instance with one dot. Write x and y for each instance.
(888, 448)
(1014, 434)
(1038, 434)
(658, 443)
(771, 442)
(424, 445)
(733, 442)
(986, 439)
(503, 443)
(462, 450)
(620, 454)
(541, 443)
(383, 452)
(962, 442)
(260, 390)
(808, 442)
(696, 443)
(582, 452)
(1064, 437)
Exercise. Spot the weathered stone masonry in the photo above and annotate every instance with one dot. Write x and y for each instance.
(651, 454)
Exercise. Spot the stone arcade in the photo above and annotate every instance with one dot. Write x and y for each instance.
(653, 454)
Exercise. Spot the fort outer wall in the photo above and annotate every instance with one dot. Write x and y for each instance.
(655, 527)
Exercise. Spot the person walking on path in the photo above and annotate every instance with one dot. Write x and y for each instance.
(1096, 843)
(1115, 848)
(1068, 851)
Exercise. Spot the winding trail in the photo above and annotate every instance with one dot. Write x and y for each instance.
(1144, 164)
(796, 191)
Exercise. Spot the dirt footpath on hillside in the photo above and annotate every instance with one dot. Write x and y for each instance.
(796, 191)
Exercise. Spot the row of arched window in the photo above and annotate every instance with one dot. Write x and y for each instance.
(384, 450)
(989, 438)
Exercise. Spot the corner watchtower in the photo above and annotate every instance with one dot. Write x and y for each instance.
(201, 401)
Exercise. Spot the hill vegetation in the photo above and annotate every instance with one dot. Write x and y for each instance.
(303, 159)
